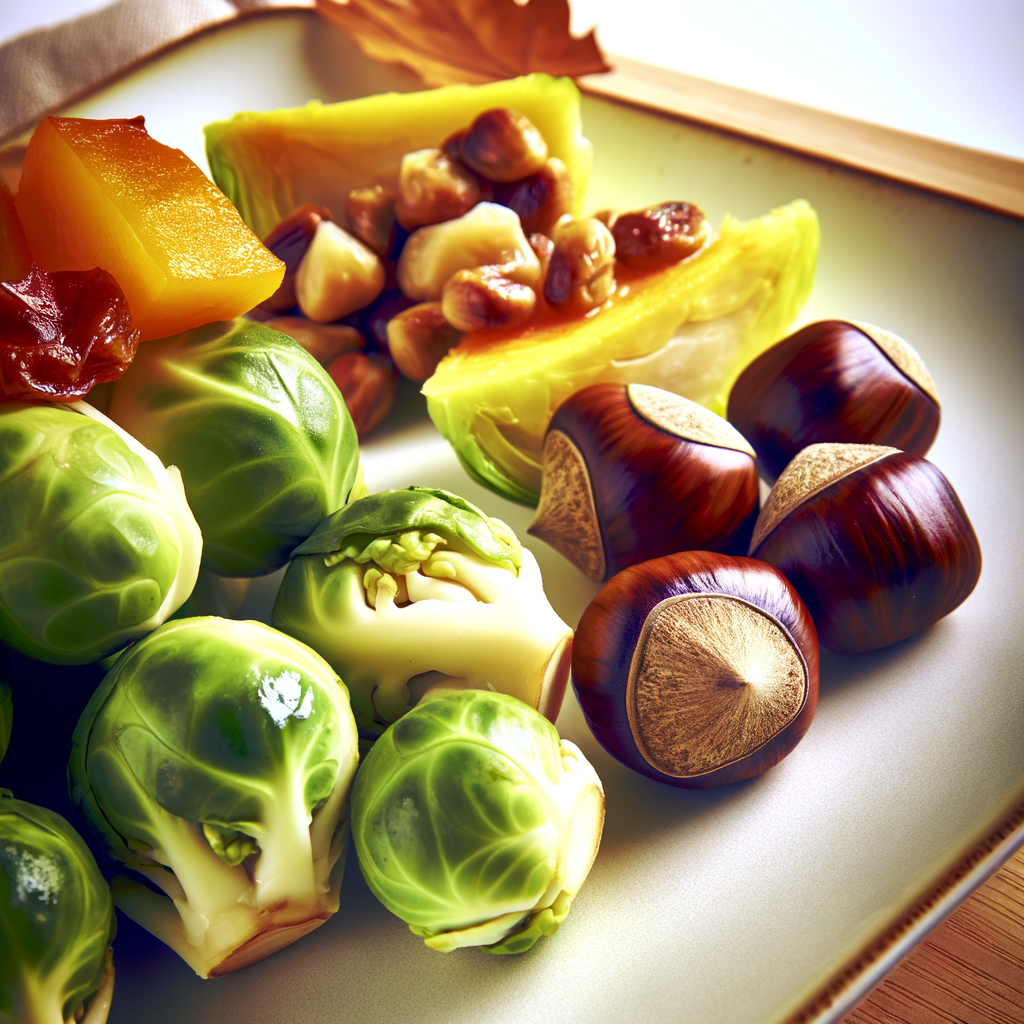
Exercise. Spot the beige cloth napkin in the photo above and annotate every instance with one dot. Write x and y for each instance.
(44, 70)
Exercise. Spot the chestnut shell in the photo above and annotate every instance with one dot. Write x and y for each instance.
(659, 494)
(610, 629)
(828, 382)
(879, 554)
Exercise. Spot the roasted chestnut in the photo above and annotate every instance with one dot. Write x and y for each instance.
(835, 381)
(697, 669)
(874, 540)
(631, 472)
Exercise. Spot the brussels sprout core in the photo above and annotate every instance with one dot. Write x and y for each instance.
(56, 921)
(406, 589)
(474, 823)
(215, 760)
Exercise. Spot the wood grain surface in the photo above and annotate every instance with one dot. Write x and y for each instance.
(988, 179)
(969, 970)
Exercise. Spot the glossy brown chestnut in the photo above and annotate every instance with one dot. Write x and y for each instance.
(697, 669)
(835, 381)
(874, 540)
(632, 472)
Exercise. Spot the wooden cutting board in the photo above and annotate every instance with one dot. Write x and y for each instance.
(969, 970)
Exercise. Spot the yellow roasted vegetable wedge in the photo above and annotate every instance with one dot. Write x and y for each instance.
(690, 328)
(270, 163)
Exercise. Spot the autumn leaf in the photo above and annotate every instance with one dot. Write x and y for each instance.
(447, 41)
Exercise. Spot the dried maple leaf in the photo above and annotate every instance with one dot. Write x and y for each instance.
(448, 41)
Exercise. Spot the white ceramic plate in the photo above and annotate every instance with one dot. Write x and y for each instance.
(785, 894)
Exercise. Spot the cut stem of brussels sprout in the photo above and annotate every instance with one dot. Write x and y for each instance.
(418, 581)
(475, 823)
(215, 760)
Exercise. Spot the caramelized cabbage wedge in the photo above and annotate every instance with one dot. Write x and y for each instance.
(690, 328)
(270, 163)
(475, 823)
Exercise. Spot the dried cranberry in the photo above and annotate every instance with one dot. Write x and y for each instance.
(663, 234)
(62, 332)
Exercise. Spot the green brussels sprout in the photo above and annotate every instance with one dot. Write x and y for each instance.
(408, 588)
(215, 760)
(97, 543)
(56, 921)
(265, 445)
(474, 823)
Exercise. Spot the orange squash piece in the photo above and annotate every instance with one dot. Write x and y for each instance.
(105, 194)
(15, 259)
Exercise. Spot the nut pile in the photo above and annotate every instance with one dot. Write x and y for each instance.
(477, 236)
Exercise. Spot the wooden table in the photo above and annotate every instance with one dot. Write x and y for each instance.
(969, 970)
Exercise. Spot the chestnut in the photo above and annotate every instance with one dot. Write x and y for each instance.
(697, 669)
(835, 381)
(874, 540)
(631, 472)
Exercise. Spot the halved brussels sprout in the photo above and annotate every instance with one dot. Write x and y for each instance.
(97, 543)
(215, 760)
(265, 445)
(475, 823)
(404, 589)
(56, 921)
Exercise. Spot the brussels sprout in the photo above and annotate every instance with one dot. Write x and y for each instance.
(474, 823)
(215, 760)
(402, 588)
(56, 921)
(97, 543)
(265, 445)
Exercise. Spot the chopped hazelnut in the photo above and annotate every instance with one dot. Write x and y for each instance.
(371, 215)
(433, 188)
(484, 298)
(582, 271)
(503, 145)
(419, 338)
(338, 275)
(488, 235)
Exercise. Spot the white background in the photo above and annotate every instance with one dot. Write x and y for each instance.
(952, 69)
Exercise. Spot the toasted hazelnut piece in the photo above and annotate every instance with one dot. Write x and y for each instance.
(371, 215)
(582, 271)
(368, 385)
(544, 249)
(647, 239)
(288, 241)
(433, 188)
(419, 338)
(338, 275)
(488, 235)
(324, 342)
(503, 145)
(484, 299)
(540, 199)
